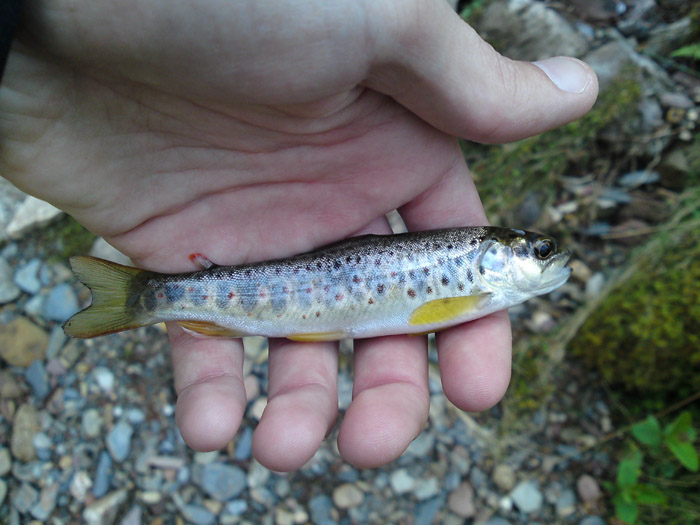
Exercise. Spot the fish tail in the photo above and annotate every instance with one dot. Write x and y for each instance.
(115, 290)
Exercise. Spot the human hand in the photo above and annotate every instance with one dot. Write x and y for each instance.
(250, 131)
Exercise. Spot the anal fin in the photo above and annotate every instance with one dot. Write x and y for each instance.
(209, 329)
(315, 337)
(445, 310)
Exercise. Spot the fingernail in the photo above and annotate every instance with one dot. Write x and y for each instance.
(567, 74)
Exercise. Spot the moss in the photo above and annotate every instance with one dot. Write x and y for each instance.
(65, 238)
(645, 337)
(505, 173)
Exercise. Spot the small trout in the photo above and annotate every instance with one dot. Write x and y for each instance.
(374, 285)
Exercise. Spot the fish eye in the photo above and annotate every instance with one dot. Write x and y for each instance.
(543, 248)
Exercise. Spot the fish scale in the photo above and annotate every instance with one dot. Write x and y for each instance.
(361, 287)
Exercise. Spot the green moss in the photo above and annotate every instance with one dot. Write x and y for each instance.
(645, 337)
(505, 173)
(66, 238)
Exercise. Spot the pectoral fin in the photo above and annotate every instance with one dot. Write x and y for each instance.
(445, 310)
(209, 329)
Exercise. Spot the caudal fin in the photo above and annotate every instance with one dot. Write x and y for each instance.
(114, 307)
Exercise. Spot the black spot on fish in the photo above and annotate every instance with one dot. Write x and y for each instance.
(482, 270)
(445, 280)
(458, 261)
(337, 264)
(460, 287)
(377, 262)
(450, 246)
(319, 265)
(174, 292)
(473, 242)
(426, 270)
(148, 299)
(429, 290)
(195, 295)
(470, 276)
(358, 259)
(380, 288)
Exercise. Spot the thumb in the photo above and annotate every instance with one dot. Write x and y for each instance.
(433, 63)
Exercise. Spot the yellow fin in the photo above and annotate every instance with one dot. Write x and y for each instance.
(444, 310)
(314, 337)
(113, 288)
(209, 329)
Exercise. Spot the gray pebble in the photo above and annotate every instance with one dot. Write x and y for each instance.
(321, 507)
(42, 445)
(477, 478)
(422, 445)
(56, 341)
(104, 378)
(119, 440)
(5, 461)
(236, 507)
(27, 277)
(61, 303)
(36, 376)
(257, 475)
(426, 511)
(566, 503)
(24, 498)
(35, 305)
(244, 445)
(527, 497)
(282, 487)
(3, 491)
(92, 423)
(592, 520)
(198, 515)
(133, 517)
(222, 482)
(427, 488)
(103, 475)
(135, 416)
(47, 502)
(8, 289)
(401, 481)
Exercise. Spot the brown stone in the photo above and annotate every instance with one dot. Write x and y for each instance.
(461, 501)
(25, 425)
(22, 342)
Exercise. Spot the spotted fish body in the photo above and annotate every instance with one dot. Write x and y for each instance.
(360, 287)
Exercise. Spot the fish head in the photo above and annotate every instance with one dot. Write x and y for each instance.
(522, 263)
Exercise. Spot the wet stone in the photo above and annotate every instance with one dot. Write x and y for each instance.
(22, 342)
(26, 424)
(103, 475)
(222, 482)
(38, 379)
(8, 289)
(27, 277)
(61, 303)
(527, 497)
(347, 496)
(119, 440)
(24, 498)
(198, 515)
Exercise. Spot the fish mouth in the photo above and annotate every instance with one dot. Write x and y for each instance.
(556, 271)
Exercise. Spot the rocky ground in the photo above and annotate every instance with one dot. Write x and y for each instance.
(87, 430)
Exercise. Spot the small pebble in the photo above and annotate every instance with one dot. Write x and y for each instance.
(119, 440)
(27, 277)
(257, 408)
(588, 488)
(133, 517)
(527, 497)
(504, 477)
(61, 303)
(347, 496)
(42, 445)
(5, 461)
(592, 520)
(422, 445)
(244, 445)
(24, 498)
(103, 475)
(47, 502)
(79, 485)
(26, 424)
(198, 515)
(221, 481)
(3, 491)
(104, 378)
(427, 488)
(566, 503)
(105, 509)
(595, 285)
(461, 501)
(91, 423)
(401, 481)
(321, 507)
(8, 289)
(236, 507)
(38, 379)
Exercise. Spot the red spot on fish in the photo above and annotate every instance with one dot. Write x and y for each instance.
(205, 297)
(285, 289)
(308, 290)
(190, 289)
(231, 295)
(460, 287)
(176, 286)
(430, 290)
(262, 294)
(394, 274)
(370, 301)
(303, 316)
(160, 296)
(318, 314)
(356, 279)
(327, 288)
(411, 292)
(339, 297)
(279, 315)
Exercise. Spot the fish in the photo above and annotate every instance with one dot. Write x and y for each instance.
(365, 286)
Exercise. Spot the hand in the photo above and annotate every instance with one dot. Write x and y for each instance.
(249, 131)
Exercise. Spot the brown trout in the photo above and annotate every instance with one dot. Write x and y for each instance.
(366, 286)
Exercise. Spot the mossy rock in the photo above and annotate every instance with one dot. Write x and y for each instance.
(645, 336)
